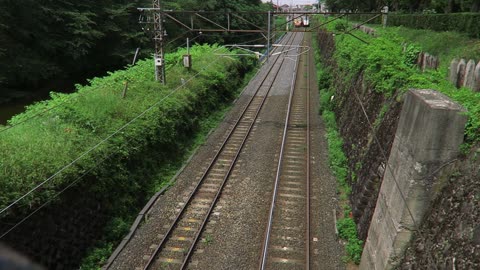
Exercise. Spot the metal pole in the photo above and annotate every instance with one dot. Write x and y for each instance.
(135, 57)
(159, 43)
(124, 93)
(188, 45)
(268, 39)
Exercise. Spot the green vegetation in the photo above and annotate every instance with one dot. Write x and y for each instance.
(146, 135)
(208, 239)
(457, 22)
(465, 23)
(279, 24)
(45, 43)
(337, 161)
(347, 230)
(432, 6)
(388, 68)
(458, 45)
(44, 40)
(37, 148)
(118, 227)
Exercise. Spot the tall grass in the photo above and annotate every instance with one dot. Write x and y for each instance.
(38, 148)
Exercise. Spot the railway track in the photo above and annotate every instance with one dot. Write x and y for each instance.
(287, 237)
(179, 241)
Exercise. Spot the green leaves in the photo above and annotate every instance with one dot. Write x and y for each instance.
(459, 22)
(71, 124)
(347, 230)
(50, 39)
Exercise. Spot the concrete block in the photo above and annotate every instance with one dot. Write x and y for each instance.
(462, 65)
(427, 128)
(425, 61)
(476, 87)
(433, 62)
(453, 75)
(469, 81)
(429, 134)
(421, 57)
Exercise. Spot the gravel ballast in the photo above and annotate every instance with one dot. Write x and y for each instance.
(233, 237)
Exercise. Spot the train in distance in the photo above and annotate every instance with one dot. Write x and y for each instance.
(302, 21)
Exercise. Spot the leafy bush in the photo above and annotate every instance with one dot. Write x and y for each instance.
(347, 230)
(387, 69)
(354, 250)
(147, 135)
(382, 60)
(411, 54)
(459, 22)
(156, 117)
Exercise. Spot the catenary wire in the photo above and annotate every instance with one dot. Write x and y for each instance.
(55, 196)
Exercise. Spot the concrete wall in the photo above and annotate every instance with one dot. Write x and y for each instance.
(429, 133)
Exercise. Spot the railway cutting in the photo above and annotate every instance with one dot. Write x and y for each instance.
(245, 199)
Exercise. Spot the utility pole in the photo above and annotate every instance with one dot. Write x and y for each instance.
(384, 16)
(268, 35)
(159, 34)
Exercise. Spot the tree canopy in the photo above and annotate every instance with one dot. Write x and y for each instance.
(57, 38)
(44, 40)
(438, 6)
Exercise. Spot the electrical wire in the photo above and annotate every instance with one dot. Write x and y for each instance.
(105, 139)
(55, 196)
(39, 114)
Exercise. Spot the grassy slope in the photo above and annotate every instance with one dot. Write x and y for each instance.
(161, 138)
(34, 150)
(447, 46)
(118, 228)
(388, 69)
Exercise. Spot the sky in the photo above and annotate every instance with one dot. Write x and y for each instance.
(294, 2)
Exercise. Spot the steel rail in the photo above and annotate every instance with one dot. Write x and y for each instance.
(182, 211)
(308, 166)
(195, 240)
(279, 166)
(281, 161)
